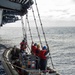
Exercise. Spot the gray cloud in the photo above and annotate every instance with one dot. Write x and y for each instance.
(73, 15)
(73, 0)
(59, 10)
(50, 16)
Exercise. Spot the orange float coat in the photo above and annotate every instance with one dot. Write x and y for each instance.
(42, 54)
(23, 45)
(33, 49)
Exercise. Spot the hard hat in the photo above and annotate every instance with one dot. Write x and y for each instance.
(38, 46)
(44, 47)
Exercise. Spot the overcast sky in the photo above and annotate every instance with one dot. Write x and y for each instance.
(56, 12)
(57, 9)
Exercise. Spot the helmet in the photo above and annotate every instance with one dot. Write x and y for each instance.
(38, 46)
(35, 44)
(44, 48)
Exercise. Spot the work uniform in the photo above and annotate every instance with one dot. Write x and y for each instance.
(33, 49)
(37, 50)
(43, 59)
(23, 45)
(37, 53)
(38, 60)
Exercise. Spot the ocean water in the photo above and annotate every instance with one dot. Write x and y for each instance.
(61, 41)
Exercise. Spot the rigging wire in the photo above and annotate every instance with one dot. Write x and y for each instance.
(29, 27)
(36, 26)
(24, 33)
(23, 30)
(43, 33)
(28, 48)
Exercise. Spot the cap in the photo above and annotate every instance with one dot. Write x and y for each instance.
(38, 46)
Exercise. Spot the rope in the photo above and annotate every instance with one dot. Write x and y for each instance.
(36, 26)
(29, 27)
(43, 32)
(27, 43)
(23, 30)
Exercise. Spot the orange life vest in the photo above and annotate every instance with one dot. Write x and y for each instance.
(37, 52)
(42, 54)
(33, 49)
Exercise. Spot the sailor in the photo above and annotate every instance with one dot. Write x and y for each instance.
(23, 45)
(37, 56)
(15, 53)
(33, 48)
(23, 53)
(37, 50)
(43, 58)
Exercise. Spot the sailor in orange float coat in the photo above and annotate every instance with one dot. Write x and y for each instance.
(37, 50)
(43, 58)
(37, 56)
(23, 45)
(33, 48)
